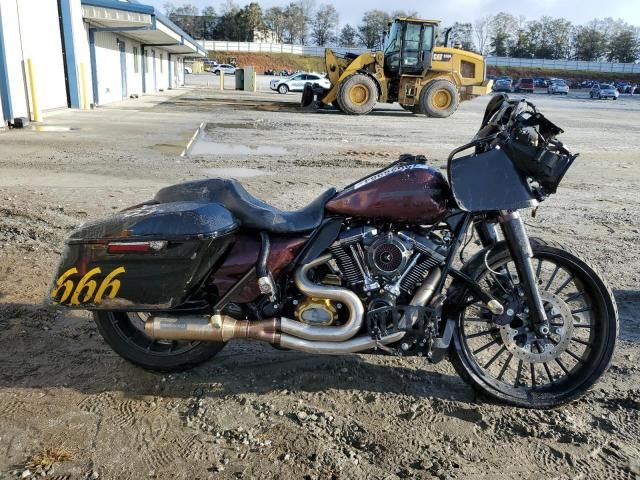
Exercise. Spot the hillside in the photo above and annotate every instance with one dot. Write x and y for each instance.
(292, 62)
(272, 61)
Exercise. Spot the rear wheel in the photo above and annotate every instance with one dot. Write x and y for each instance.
(439, 99)
(124, 332)
(514, 363)
(358, 94)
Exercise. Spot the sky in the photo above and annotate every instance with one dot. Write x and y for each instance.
(449, 11)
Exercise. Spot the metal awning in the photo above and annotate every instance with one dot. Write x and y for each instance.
(140, 22)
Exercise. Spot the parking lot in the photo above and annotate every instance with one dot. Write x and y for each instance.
(239, 416)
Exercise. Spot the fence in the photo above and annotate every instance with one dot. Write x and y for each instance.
(564, 65)
(256, 47)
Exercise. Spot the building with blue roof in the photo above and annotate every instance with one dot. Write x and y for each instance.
(85, 53)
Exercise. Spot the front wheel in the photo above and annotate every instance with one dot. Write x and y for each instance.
(124, 332)
(510, 360)
(439, 99)
(283, 89)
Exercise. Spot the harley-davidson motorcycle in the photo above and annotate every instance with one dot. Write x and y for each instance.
(372, 268)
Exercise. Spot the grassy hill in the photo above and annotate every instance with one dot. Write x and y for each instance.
(272, 61)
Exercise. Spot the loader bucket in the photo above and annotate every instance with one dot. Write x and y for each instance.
(308, 96)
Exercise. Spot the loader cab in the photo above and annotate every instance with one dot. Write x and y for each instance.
(408, 47)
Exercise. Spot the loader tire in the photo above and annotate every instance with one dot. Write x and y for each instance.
(357, 95)
(439, 99)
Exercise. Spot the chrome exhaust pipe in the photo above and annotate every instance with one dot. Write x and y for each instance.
(339, 294)
(222, 328)
(285, 332)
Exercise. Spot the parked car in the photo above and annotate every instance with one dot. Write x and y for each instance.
(225, 68)
(558, 86)
(525, 85)
(188, 69)
(296, 83)
(602, 90)
(502, 85)
(540, 82)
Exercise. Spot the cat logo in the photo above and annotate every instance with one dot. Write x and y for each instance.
(442, 57)
(66, 291)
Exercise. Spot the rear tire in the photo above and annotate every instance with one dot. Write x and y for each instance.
(595, 339)
(439, 99)
(124, 332)
(358, 94)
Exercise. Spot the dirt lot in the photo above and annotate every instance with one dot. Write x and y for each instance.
(256, 412)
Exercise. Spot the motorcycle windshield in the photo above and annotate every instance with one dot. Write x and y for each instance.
(487, 182)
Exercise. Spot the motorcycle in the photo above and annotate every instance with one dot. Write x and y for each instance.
(371, 268)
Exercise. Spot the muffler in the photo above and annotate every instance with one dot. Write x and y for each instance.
(214, 328)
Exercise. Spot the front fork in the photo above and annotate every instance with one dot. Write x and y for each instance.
(517, 240)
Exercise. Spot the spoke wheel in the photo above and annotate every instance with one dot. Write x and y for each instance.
(124, 332)
(510, 359)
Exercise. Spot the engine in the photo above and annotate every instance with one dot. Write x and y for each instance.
(382, 267)
(385, 265)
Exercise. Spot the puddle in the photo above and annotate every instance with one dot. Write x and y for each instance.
(236, 172)
(203, 147)
(51, 128)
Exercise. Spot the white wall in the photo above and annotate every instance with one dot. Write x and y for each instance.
(32, 31)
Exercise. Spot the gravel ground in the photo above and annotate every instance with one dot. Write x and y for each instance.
(256, 412)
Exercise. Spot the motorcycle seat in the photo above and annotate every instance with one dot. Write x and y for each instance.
(249, 211)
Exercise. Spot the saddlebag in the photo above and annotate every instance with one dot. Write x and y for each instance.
(149, 258)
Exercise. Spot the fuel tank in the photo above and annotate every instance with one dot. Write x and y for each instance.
(410, 192)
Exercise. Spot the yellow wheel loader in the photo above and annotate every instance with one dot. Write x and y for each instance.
(410, 70)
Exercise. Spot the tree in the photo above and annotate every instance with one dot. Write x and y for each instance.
(324, 25)
(295, 23)
(404, 14)
(371, 30)
(623, 47)
(306, 8)
(275, 21)
(186, 17)
(348, 37)
(504, 31)
(589, 44)
(462, 35)
(209, 23)
(482, 33)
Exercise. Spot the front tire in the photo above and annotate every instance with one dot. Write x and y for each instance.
(283, 89)
(358, 94)
(124, 332)
(547, 371)
(439, 99)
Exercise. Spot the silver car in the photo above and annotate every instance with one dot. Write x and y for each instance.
(602, 90)
(225, 68)
(558, 86)
(296, 83)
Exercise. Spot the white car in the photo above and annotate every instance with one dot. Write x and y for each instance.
(296, 83)
(188, 69)
(558, 86)
(225, 68)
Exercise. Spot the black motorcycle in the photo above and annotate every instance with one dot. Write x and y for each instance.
(368, 269)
